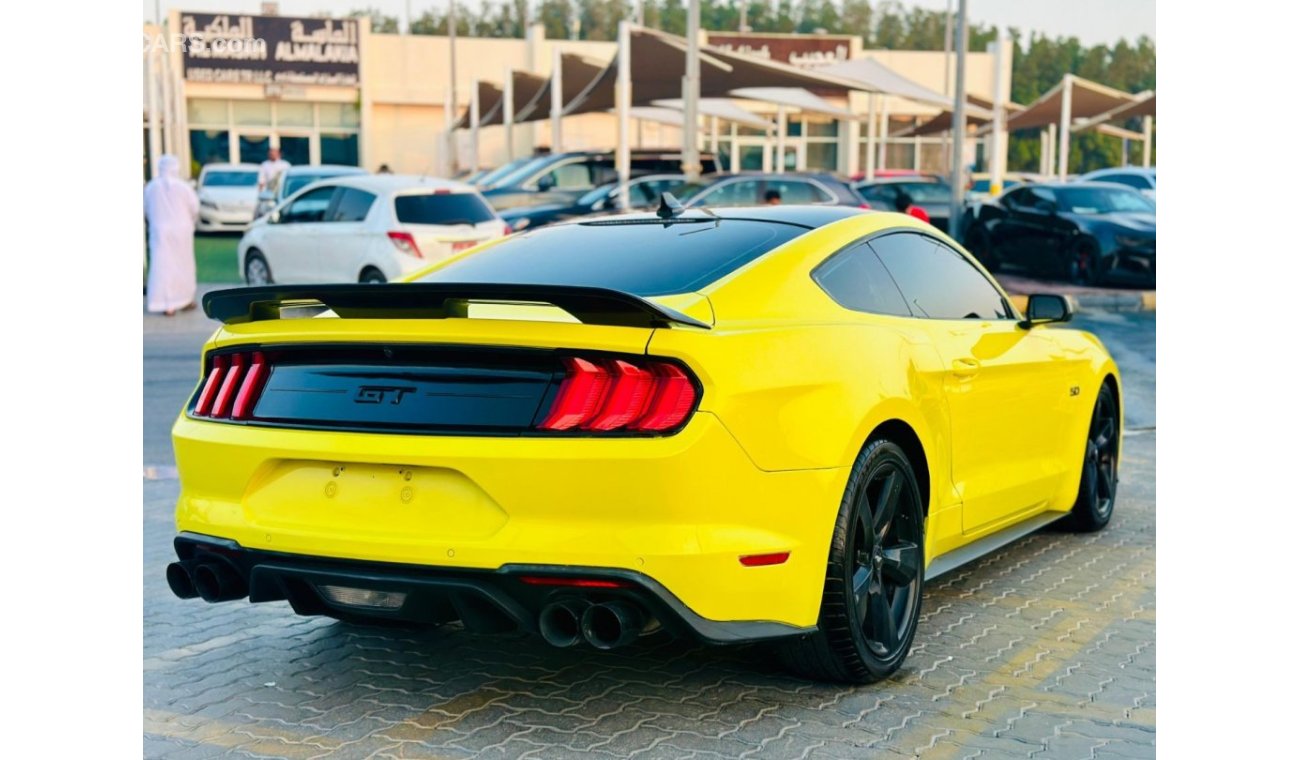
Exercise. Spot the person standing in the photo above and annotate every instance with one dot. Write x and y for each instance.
(904, 205)
(171, 207)
(270, 169)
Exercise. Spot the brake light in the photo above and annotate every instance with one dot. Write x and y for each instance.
(536, 580)
(621, 394)
(405, 243)
(233, 386)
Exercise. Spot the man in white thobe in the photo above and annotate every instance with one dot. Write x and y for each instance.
(270, 169)
(171, 208)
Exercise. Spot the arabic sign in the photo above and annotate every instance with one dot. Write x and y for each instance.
(800, 50)
(270, 50)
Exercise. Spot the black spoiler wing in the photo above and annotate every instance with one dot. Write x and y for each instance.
(439, 300)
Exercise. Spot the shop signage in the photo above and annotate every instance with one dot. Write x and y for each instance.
(267, 50)
(805, 51)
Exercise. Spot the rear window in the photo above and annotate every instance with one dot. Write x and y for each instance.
(647, 259)
(229, 179)
(445, 208)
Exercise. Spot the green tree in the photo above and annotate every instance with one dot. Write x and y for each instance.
(379, 23)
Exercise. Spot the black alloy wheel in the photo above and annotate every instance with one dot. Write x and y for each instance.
(1083, 266)
(1100, 477)
(872, 598)
(372, 276)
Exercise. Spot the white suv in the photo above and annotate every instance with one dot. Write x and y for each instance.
(371, 228)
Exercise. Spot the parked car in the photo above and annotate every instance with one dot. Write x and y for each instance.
(644, 192)
(1139, 178)
(751, 189)
(367, 228)
(1087, 232)
(981, 183)
(295, 178)
(227, 197)
(929, 192)
(488, 177)
(734, 425)
(566, 177)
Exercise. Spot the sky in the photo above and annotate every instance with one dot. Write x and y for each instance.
(1092, 21)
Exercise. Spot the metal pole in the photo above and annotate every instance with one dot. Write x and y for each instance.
(713, 136)
(1063, 152)
(448, 134)
(691, 96)
(958, 123)
(623, 104)
(884, 133)
(508, 113)
(780, 140)
(451, 44)
(640, 13)
(155, 144)
(1146, 141)
(744, 16)
(557, 99)
(871, 136)
(998, 137)
(947, 50)
(1051, 151)
(474, 115)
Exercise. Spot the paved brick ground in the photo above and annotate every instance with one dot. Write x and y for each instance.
(1044, 649)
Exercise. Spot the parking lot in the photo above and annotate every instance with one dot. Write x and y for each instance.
(1045, 648)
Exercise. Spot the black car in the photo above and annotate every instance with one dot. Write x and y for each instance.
(644, 193)
(753, 188)
(930, 193)
(563, 178)
(1087, 232)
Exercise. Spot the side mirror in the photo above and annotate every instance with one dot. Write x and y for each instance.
(274, 217)
(1046, 308)
(546, 183)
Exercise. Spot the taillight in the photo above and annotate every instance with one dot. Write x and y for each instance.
(621, 394)
(508, 231)
(233, 386)
(864, 204)
(405, 243)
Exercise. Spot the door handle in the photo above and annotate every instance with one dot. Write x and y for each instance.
(965, 368)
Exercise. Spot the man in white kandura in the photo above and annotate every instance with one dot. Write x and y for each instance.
(270, 169)
(171, 207)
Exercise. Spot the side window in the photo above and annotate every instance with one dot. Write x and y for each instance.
(938, 282)
(879, 196)
(1041, 199)
(857, 280)
(352, 205)
(308, 207)
(570, 177)
(797, 191)
(1132, 180)
(740, 193)
(1018, 199)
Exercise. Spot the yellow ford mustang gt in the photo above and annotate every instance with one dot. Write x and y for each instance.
(754, 424)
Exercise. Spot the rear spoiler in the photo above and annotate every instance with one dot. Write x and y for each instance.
(438, 300)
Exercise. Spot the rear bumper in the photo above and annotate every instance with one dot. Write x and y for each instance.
(486, 601)
(677, 510)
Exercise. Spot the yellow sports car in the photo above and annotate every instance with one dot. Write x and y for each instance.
(753, 424)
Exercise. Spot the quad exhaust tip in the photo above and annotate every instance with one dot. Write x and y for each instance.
(560, 623)
(612, 625)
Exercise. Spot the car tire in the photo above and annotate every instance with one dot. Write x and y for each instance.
(256, 270)
(1100, 475)
(372, 276)
(1084, 264)
(871, 600)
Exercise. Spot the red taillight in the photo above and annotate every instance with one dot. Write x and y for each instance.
(763, 560)
(209, 393)
(534, 580)
(226, 396)
(251, 388)
(405, 243)
(864, 204)
(233, 386)
(672, 401)
(508, 230)
(580, 396)
(626, 398)
(620, 394)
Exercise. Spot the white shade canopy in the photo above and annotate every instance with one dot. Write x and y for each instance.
(794, 97)
(877, 77)
(723, 108)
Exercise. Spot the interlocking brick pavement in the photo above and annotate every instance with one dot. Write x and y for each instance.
(1044, 649)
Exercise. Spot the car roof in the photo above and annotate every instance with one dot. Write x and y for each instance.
(912, 179)
(230, 167)
(1058, 185)
(395, 183)
(1143, 170)
(809, 216)
(332, 169)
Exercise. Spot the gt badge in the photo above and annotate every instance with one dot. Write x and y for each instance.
(378, 394)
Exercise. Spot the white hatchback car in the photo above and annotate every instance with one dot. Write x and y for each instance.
(227, 197)
(371, 228)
